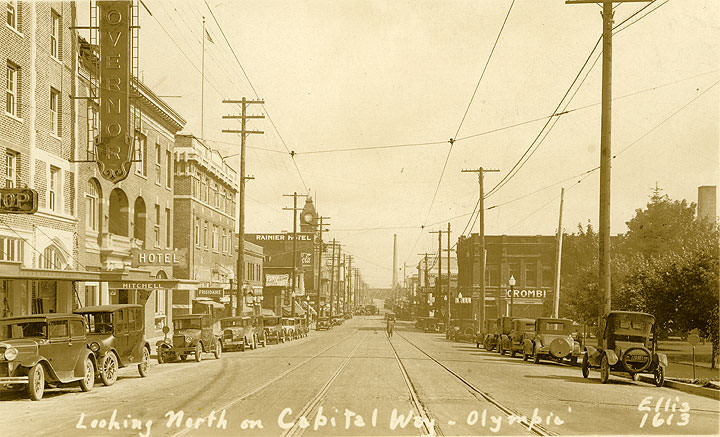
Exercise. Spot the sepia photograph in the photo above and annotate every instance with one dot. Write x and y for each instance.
(360, 218)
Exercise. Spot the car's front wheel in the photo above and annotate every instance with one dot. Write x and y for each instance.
(145, 363)
(36, 382)
(198, 352)
(88, 380)
(109, 369)
(604, 370)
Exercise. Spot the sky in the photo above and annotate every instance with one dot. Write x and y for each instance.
(360, 74)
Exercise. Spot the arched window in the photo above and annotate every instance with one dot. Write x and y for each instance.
(118, 213)
(139, 219)
(93, 202)
(52, 259)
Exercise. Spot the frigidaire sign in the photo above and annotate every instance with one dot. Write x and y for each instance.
(115, 143)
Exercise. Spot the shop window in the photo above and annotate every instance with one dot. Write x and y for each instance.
(531, 274)
(44, 297)
(11, 249)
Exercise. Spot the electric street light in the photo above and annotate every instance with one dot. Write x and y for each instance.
(511, 282)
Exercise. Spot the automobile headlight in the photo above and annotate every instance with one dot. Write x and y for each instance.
(94, 346)
(11, 353)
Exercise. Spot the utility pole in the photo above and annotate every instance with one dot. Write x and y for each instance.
(349, 281)
(294, 209)
(478, 299)
(605, 153)
(556, 295)
(321, 229)
(244, 132)
(425, 279)
(448, 275)
(332, 277)
(337, 295)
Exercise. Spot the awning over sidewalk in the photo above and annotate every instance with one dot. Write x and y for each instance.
(299, 311)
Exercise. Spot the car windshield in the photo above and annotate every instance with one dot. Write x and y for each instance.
(231, 322)
(99, 323)
(527, 326)
(556, 327)
(28, 329)
(632, 325)
(287, 322)
(187, 324)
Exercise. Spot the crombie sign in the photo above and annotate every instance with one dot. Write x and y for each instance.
(115, 143)
(526, 293)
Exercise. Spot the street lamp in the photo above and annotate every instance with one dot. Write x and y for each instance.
(511, 282)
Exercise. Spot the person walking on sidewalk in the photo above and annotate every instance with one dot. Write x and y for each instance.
(390, 324)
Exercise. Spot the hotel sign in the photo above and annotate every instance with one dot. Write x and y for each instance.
(157, 257)
(115, 143)
(283, 237)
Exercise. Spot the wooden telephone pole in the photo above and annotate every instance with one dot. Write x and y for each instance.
(294, 209)
(244, 132)
(478, 298)
(318, 286)
(605, 151)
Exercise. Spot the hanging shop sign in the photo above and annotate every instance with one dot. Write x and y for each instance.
(210, 292)
(115, 143)
(18, 201)
(277, 280)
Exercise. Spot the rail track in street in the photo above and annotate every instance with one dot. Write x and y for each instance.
(535, 428)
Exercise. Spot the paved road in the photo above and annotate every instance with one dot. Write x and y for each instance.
(353, 380)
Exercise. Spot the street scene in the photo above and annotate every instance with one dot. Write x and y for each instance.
(366, 217)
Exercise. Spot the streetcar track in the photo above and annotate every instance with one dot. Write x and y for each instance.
(414, 398)
(310, 406)
(519, 418)
(268, 383)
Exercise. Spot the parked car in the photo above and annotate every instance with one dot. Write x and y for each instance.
(301, 327)
(322, 323)
(289, 328)
(520, 330)
(625, 345)
(487, 335)
(465, 331)
(273, 329)
(258, 323)
(238, 333)
(193, 334)
(41, 349)
(503, 328)
(116, 335)
(452, 329)
(552, 339)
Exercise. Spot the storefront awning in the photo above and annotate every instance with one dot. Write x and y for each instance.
(207, 301)
(299, 311)
(16, 271)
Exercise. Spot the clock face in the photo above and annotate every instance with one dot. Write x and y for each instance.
(308, 217)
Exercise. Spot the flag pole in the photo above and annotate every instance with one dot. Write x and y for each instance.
(202, 85)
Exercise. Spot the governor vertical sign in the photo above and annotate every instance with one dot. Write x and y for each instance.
(115, 144)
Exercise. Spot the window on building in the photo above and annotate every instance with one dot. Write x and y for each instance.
(169, 169)
(12, 14)
(196, 234)
(214, 237)
(168, 228)
(11, 89)
(547, 276)
(531, 274)
(91, 293)
(54, 189)
(92, 197)
(11, 249)
(203, 191)
(55, 35)
(140, 153)
(55, 107)
(52, 259)
(93, 128)
(224, 241)
(158, 171)
(159, 301)
(493, 275)
(156, 226)
(11, 165)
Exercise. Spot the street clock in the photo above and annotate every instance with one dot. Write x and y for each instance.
(308, 218)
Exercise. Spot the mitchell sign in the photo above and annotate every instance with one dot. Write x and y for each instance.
(115, 142)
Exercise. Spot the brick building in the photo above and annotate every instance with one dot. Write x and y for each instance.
(205, 201)
(39, 253)
(529, 259)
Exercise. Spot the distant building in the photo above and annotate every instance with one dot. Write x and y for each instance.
(529, 259)
(707, 202)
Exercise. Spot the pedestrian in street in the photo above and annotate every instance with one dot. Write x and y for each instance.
(390, 325)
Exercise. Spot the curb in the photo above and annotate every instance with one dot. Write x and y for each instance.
(687, 388)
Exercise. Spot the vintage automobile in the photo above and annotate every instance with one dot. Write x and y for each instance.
(503, 325)
(625, 345)
(467, 331)
(552, 339)
(238, 333)
(433, 324)
(192, 334)
(452, 329)
(520, 330)
(289, 328)
(482, 335)
(258, 322)
(273, 329)
(301, 327)
(322, 324)
(116, 335)
(45, 349)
